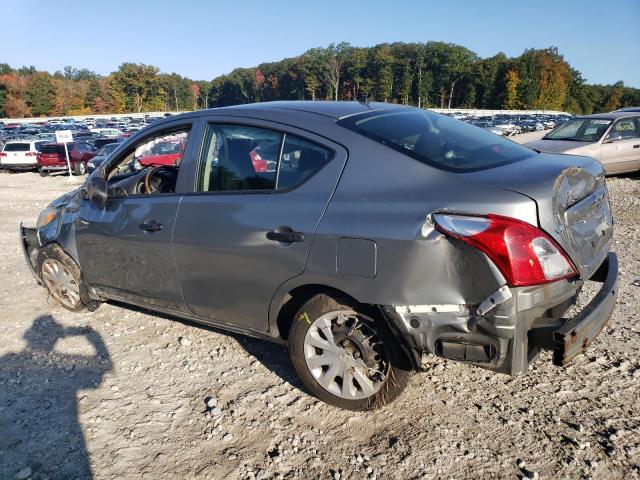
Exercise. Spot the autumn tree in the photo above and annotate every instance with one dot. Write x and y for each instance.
(511, 90)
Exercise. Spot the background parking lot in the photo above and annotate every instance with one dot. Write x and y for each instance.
(124, 392)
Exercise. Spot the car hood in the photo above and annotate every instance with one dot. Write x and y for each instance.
(66, 198)
(556, 146)
(578, 218)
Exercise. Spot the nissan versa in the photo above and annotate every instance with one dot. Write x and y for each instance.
(360, 234)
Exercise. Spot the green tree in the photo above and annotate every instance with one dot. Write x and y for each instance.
(40, 94)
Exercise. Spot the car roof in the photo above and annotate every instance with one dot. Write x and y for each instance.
(610, 115)
(333, 109)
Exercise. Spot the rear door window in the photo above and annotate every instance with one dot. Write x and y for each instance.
(300, 160)
(244, 158)
(240, 158)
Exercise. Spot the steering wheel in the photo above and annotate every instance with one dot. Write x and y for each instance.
(148, 188)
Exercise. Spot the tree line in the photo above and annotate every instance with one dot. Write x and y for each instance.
(432, 74)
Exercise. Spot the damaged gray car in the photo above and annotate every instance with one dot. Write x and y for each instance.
(361, 235)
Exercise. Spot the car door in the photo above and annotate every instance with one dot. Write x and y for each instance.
(621, 146)
(249, 224)
(125, 248)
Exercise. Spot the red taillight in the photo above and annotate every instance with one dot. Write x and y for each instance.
(2, 154)
(524, 254)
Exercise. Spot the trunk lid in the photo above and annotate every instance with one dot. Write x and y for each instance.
(572, 200)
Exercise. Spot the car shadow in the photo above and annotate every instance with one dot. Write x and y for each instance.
(629, 175)
(273, 356)
(40, 432)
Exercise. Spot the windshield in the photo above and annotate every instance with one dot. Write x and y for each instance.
(580, 130)
(438, 140)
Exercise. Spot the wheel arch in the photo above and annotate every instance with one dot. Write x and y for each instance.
(288, 301)
(285, 304)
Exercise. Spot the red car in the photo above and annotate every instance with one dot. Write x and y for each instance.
(167, 152)
(263, 165)
(52, 157)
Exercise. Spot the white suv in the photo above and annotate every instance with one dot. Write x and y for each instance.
(20, 154)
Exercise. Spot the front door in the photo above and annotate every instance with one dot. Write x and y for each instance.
(621, 146)
(249, 225)
(125, 248)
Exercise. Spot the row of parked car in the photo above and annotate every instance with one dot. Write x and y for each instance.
(32, 146)
(508, 125)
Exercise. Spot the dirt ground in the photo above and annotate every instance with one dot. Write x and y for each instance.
(120, 393)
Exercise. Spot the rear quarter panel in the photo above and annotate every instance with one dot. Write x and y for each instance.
(385, 197)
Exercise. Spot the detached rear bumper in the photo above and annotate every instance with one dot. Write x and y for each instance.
(30, 248)
(521, 321)
(578, 332)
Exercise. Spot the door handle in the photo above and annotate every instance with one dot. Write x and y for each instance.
(151, 226)
(285, 235)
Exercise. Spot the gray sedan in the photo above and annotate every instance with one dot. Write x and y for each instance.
(612, 138)
(360, 235)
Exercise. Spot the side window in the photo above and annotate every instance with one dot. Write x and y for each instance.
(300, 160)
(150, 166)
(623, 130)
(239, 158)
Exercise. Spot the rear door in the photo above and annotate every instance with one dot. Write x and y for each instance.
(621, 146)
(248, 226)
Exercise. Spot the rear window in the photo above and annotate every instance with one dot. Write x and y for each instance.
(437, 140)
(52, 149)
(17, 147)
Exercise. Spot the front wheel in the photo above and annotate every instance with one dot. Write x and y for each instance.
(79, 168)
(345, 355)
(62, 278)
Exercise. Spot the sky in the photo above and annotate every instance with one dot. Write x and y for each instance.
(203, 39)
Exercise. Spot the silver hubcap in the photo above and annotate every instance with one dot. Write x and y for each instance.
(60, 283)
(345, 355)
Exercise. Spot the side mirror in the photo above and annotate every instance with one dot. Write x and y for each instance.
(97, 190)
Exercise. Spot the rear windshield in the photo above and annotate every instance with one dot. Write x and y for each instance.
(438, 140)
(17, 147)
(52, 149)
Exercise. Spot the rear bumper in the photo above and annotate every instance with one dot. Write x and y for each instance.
(19, 166)
(578, 332)
(509, 336)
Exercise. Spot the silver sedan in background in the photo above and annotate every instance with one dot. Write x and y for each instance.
(611, 138)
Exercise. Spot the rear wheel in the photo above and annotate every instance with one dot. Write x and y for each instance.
(42, 172)
(345, 355)
(63, 279)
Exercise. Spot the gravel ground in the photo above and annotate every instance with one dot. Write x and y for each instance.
(124, 393)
